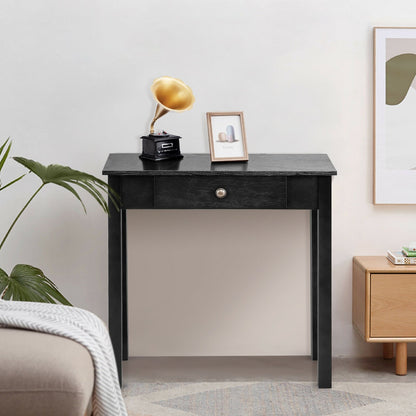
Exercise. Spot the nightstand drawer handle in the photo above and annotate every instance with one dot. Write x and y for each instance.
(220, 193)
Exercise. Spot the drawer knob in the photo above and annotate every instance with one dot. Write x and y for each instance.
(220, 193)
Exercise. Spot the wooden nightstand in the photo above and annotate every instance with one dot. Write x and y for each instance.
(384, 305)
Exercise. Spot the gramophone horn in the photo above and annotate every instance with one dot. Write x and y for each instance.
(171, 94)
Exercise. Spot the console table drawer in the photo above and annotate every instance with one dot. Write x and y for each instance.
(227, 192)
(393, 305)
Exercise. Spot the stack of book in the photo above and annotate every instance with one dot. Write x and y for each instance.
(403, 256)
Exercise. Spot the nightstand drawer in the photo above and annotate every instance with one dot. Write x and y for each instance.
(393, 305)
(225, 192)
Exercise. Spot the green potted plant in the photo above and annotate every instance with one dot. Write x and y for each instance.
(29, 283)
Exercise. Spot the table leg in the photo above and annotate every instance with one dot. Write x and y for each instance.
(124, 283)
(314, 284)
(324, 284)
(115, 301)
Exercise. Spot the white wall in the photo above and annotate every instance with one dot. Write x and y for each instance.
(74, 84)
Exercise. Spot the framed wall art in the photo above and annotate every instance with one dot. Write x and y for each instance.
(394, 115)
(227, 137)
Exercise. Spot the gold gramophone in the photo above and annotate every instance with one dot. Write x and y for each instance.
(171, 94)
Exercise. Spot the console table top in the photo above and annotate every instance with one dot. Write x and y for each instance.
(200, 164)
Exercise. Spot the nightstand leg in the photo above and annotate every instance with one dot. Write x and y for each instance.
(401, 358)
(388, 351)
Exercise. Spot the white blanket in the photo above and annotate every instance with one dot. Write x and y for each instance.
(83, 327)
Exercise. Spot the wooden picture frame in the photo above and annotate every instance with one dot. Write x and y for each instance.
(394, 115)
(227, 137)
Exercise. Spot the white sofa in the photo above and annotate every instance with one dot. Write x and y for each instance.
(43, 374)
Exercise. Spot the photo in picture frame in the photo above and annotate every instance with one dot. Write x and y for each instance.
(227, 137)
(394, 115)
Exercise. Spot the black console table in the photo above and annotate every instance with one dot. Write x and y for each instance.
(266, 181)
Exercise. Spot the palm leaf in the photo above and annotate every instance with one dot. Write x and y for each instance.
(66, 177)
(12, 182)
(4, 145)
(3, 159)
(28, 283)
(3, 281)
(6, 153)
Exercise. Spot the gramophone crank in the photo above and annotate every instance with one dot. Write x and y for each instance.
(171, 94)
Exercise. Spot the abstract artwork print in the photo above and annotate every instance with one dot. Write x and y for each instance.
(395, 116)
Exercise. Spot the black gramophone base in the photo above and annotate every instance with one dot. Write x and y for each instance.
(159, 147)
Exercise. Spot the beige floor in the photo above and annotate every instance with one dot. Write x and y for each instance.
(199, 369)
(354, 380)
